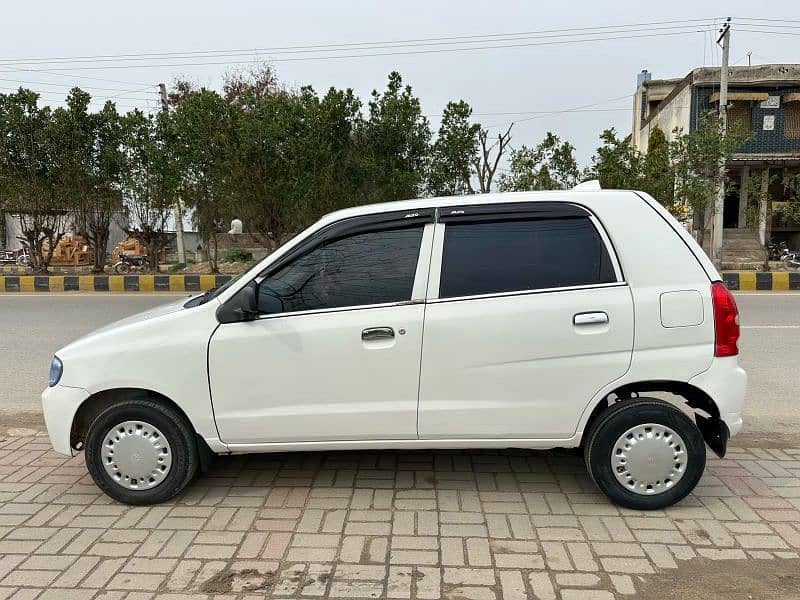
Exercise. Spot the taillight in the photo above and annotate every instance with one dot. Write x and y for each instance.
(726, 321)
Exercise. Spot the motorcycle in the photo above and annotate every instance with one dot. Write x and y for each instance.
(18, 256)
(777, 251)
(127, 264)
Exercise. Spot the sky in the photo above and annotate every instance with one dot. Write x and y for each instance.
(597, 77)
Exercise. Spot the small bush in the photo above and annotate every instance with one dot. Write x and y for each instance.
(237, 255)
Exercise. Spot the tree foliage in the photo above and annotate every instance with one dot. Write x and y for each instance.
(551, 165)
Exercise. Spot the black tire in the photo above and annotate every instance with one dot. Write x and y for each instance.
(619, 418)
(179, 436)
(122, 268)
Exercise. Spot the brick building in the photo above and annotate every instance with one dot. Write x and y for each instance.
(765, 101)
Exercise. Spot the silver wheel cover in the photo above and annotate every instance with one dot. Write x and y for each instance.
(649, 459)
(136, 455)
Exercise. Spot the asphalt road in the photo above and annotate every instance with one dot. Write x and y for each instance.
(32, 327)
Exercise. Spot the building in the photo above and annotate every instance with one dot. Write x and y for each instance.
(765, 101)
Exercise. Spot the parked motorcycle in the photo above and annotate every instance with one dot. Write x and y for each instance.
(18, 256)
(777, 250)
(127, 264)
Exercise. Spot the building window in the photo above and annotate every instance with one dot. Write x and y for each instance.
(791, 114)
(739, 116)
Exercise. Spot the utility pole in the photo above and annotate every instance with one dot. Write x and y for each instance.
(177, 213)
(719, 203)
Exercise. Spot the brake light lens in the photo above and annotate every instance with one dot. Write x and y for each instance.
(726, 321)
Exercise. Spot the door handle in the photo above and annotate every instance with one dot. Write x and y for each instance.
(590, 318)
(371, 334)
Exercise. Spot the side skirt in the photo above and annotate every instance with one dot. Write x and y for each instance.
(418, 444)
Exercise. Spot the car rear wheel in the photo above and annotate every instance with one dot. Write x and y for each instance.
(141, 452)
(645, 454)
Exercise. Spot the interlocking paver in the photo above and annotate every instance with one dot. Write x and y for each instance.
(421, 525)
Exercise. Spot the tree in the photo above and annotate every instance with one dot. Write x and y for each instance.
(488, 158)
(395, 143)
(551, 165)
(151, 181)
(657, 175)
(89, 164)
(697, 158)
(453, 153)
(29, 187)
(200, 129)
(617, 164)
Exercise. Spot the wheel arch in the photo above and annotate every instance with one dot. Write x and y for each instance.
(100, 401)
(705, 410)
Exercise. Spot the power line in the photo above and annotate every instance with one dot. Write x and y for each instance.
(379, 54)
(476, 38)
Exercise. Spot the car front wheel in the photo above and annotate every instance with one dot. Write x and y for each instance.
(141, 452)
(645, 454)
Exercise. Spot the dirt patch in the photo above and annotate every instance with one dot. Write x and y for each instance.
(244, 580)
(705, 579)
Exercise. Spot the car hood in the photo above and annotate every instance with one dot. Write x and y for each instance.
(152, 313)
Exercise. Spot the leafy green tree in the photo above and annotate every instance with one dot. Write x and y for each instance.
(657, 175)
(151, 181)
(551, 165)
(200, 128)
(453, 153)
(395, 143)
(697, 158)
(617, 164)
(89, 162)
(28, 174)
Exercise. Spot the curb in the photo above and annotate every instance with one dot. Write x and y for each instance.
(761, 280)
(734, 280)
(111, 283)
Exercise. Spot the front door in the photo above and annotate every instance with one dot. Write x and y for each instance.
(529, 319)
(335, 354)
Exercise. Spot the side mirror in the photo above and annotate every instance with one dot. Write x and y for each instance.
(242, 307)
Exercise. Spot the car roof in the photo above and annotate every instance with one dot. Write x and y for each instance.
(574, 196)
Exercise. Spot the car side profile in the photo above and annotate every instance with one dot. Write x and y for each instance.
(579, 319)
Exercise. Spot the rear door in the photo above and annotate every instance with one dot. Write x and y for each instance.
(528, 316)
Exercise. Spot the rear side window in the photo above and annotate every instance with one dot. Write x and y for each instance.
(368, 268)
(507, 256)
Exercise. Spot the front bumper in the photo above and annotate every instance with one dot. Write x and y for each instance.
(60, 403)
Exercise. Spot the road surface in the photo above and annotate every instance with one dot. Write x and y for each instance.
(32, 327)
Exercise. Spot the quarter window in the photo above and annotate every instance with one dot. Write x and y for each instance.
(367, 268)
(517, 255)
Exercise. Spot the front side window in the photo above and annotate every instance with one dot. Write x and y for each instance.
(518, 255)
(367, 268)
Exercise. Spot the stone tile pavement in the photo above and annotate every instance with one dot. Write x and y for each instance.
(424, 525)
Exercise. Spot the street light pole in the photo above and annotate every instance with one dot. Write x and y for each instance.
(719, 202)
(177, 213)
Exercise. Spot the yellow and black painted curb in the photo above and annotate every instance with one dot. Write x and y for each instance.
(734, 280)
(762, 280)
(110, 283)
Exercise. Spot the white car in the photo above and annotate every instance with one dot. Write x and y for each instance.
(526, 320)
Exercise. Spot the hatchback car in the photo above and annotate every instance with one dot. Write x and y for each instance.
(571, 319)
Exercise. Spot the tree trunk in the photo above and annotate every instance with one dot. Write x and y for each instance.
(99, 241)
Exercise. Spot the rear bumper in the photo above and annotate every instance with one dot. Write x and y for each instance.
(725, 382)
(60, 403)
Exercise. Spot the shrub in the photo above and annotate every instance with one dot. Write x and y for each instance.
(237, 255)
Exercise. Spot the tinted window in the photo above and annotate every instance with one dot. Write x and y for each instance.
(507, 256)
(368, 268)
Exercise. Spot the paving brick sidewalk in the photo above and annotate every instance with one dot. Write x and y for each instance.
(427, 525)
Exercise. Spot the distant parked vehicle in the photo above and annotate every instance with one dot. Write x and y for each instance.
(777, 250)
(127, 264)
(18, 256)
